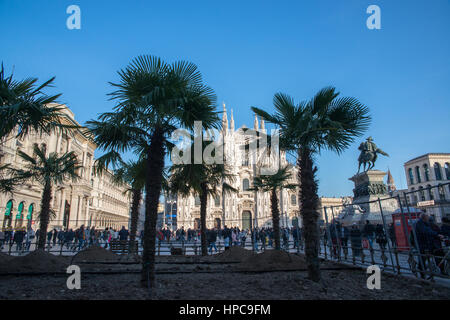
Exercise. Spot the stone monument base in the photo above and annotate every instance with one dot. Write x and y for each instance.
(369, 187)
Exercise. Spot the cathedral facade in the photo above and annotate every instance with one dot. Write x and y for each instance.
(246, 208)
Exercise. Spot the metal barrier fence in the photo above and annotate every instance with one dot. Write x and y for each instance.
(390, 239)
(391, 242)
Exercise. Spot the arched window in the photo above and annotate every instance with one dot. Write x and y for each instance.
(430, 192)
(245, 184)
(197, 200)
(8, 214)
(421, 193)
(30, 212)
(293, 200)
(437, 171)
(411, 176)
(418, 175)
(19, 216)
(426, 170)
(217, 201)
(447, 170)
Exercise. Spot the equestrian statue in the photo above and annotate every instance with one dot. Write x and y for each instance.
(369, 154)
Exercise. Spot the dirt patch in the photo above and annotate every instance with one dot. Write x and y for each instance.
(292, 285)
(132, 257)
(5, 257)
(95, 253)
(272, 260)
(36, 261)
(234, 254)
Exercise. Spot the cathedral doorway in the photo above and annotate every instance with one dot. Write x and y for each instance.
(246, 220)
(196, 223)
(217, 223)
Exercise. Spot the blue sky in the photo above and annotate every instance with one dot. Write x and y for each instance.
(249, 50)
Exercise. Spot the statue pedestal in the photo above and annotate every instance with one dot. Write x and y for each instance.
(369, 186)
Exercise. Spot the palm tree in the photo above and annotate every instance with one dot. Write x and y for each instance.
(273, 184)
(7, 183)
(202, 180)
(24, 106)
(154, 98)
(130, 174)
(324, 122)
(47, 170)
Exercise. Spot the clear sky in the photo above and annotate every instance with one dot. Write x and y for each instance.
(249, 50)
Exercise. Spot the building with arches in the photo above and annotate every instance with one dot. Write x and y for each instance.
(92, 200)
(246, 208)
(424, 172)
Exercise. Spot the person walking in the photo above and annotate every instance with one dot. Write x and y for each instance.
(212, 238)
(426, 238)
(81, 236)
(392, 237)
(355, 240)
(29, 238)
(19, 235)
(380, 236)
(369, 233)
(123, 237)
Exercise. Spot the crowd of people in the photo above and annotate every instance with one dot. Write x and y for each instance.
(73, 240)
(259, 238)
(427, 237)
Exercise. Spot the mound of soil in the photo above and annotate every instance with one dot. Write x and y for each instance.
(273, 260)
(36, 261)
(133, 257)
(95, 253)
(5, 257)
(235, 253)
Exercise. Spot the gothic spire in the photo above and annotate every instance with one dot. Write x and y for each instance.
(263, 127)
(390, 181)
(224, 118)
(255, 123)
(232, 121)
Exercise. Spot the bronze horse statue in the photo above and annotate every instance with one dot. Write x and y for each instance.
(369, 154)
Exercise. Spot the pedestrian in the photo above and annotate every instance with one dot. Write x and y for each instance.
(426, 239)
(380, 236)
(355, 240)
(345, 235)
(212, 238)
(29, 238)
(49, 238)
(392, 235)
(369, 233)
(19, 235)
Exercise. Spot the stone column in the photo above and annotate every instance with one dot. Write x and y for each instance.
(61, 206)
(87, 210)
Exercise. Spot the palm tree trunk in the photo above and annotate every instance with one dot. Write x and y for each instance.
(275, 218)
(203, 203)
(136, 199)
(44, 215)
(309, 204)
(154, 176)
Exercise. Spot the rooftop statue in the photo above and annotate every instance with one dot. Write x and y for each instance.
(369, 154)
